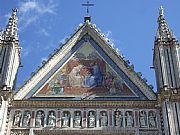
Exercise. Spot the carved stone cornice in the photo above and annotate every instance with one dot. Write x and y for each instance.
(86, 132)
(19, 132)
(83, 104)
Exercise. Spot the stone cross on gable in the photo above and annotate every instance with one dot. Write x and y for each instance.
(87, 5)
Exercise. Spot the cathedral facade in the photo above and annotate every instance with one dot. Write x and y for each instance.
(87, 88)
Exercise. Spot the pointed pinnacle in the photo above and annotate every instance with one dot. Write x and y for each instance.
(161, 11)
(11, 28)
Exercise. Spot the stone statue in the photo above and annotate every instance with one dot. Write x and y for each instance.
(103, 120)
(77, 120)
(92, 120)
(152, 120)
(118, 119)
(51, 119)
(39, 119)
(26, 119)
(142, 119)
(65, 120)
(129, 120)
(17, 119)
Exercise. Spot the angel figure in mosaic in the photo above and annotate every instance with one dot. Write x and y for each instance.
(75, 79)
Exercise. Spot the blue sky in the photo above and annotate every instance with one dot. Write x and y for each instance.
(130, 24)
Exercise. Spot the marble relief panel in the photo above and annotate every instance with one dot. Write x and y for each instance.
(94, 118)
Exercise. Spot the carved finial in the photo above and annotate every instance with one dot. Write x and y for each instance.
(161, 11)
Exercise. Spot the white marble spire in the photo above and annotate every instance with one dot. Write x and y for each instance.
(11, 28)
(163, 31)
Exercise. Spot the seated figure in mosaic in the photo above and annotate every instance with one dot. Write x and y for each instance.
(103, 119)
(65, 120)
(17, 118)
(152, 120)
(129, 120)
(77, 120)
(26, 119)
(39, 119)
(51, 119)
(92, 120)
(142, 119)
(118, 119)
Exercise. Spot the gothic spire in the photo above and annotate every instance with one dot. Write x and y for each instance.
(163, 31)
(11, 28)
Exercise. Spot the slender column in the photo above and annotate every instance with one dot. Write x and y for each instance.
(174, 108)
(124, 120)
(58, 119)
(71, 119)
(45, 117)
(97, 118)
(21, 120)
(178, 112)
(113, 117)
(110, 117)
(84, 118)
(136, 118)
(171, 121)
(32, 121)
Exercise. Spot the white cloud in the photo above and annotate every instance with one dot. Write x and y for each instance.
(43, 32)
(25, 52)
(31, 11)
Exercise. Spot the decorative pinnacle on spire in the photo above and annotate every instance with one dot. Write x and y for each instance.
(11, 28)
(163, 31)
(161, 11)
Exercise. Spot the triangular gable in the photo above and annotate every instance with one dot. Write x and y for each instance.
(89, 37)
(86, 75)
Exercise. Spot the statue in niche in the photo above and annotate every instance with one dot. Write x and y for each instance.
(17, 118)
(118, 119)
(129, 120)
(39, 119)
(92, 120)
(103, 119)
(77, 119)
(51, 119)
(142, 119)
(26, 119)
(66, 120)
(152, 120)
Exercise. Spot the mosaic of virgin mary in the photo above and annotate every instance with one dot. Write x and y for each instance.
(86, 72)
